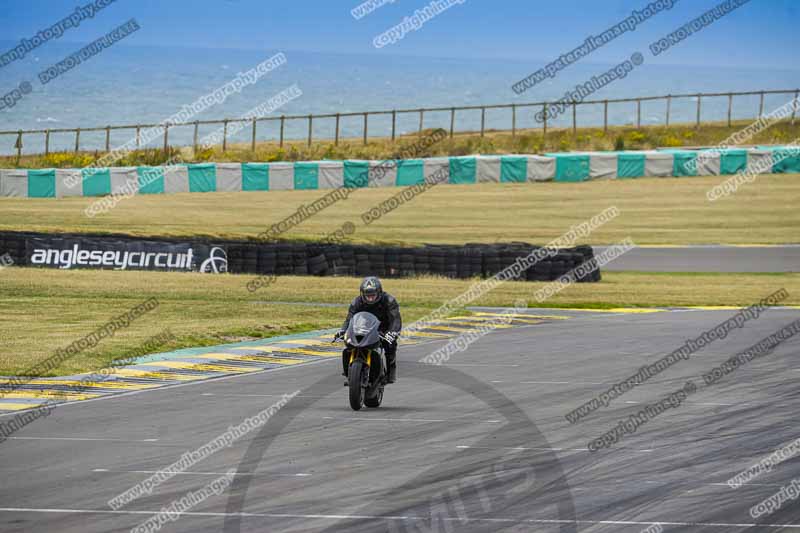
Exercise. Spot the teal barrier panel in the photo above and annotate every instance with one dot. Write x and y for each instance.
(96, 181)
(410, 172)
(787, 160)
(571, 168)
(732, 161)
(151, 180)
(42, 183)
(681, 158)
(462, 170)
(513, 169)
(630, 165)
(356, 174)
(202, 177)
(255, 177)
(306, 176)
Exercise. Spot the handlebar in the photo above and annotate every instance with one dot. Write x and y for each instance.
(340, 336)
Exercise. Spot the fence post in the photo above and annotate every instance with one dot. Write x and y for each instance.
(794, 104)
(544, 114)
(699, 99)
(605, 116)
(452, 120)
(365, 128)
(224, 135)
(669, 105)
(638, 113)
(421, 120)
(166, 137)
(394, 123)
(253, 138)
(483, 120)
(310, 126)
(108, 138)
(283, 123)
(336, 135)
(77, 139)
(574, 118)
(761, 105)
(730, 108)
(47, 142)
(194, 141)
(513, 120)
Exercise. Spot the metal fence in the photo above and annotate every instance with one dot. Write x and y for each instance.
(516, 110)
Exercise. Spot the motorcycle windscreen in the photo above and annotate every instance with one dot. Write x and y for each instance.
(363, 330)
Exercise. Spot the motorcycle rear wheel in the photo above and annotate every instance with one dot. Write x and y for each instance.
(376, 400)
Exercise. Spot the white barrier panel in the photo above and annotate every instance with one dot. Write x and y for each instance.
(229, 177)
(331, 174)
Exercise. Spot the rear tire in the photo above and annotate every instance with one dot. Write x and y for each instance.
(376, 400)
(356, 390)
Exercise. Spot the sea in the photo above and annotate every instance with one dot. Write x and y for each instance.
(128, 85)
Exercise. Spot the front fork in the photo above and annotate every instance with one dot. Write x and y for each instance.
(367, 361)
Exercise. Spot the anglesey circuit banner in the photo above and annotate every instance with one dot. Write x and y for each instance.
(118, 254)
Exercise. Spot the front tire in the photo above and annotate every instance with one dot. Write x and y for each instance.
(356, 390)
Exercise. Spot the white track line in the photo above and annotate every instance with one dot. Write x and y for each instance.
(370, 419)
(477, 364)
(196, 473)
(394, 517)
(243, 395)
(82, 439)
(465, 447)
(563, 383)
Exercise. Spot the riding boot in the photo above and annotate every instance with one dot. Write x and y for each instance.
(391, 361)
(345, 364)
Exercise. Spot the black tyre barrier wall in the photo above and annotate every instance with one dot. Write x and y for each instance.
(301, 258)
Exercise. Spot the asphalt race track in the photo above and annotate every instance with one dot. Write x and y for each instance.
(478, 444)
(708, 258)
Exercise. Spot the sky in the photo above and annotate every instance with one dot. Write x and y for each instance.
(761, 33)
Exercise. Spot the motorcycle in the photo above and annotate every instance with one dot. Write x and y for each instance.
(367, 373)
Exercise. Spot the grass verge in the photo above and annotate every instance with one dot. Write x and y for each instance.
(43, 310)
(652, 211)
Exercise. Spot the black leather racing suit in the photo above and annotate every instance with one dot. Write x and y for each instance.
(387, 310)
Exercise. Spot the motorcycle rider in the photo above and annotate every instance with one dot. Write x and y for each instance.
(384, 306)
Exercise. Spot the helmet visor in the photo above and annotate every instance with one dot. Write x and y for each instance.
(371, 296)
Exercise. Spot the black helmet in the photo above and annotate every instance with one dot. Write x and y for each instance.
(371, 290)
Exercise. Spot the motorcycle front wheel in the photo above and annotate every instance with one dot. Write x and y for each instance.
(354, 380)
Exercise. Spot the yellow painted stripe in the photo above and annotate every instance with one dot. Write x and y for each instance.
(49, 394)
(249, 358)
(11, 406)
(308, 342)
(478, 324)
(167, 376)
(310, 352)
(521, 316)
(264, 348)
(634, 310)
(199, 367)
(615, 310)
(451, 328)
(426, 334)
(716, 307)
(485, 318)
(110, 384)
